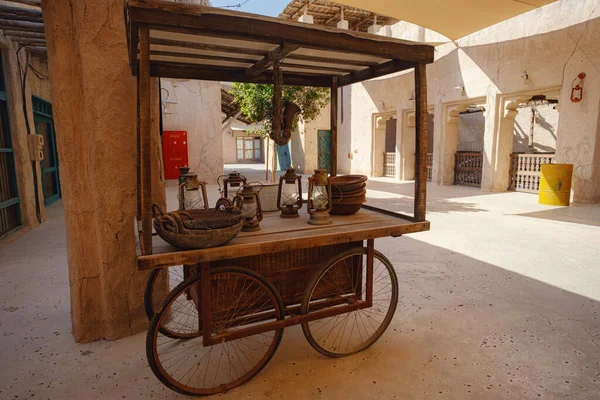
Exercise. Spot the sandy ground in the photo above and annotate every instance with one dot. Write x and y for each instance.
(500, 300)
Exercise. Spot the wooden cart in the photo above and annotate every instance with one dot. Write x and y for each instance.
(222, 324)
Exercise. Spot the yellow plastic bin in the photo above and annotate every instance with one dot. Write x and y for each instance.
(555, 184)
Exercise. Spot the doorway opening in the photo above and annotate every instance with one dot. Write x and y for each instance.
(468, 163)
(534, 142)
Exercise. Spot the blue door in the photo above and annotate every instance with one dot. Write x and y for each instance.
(284, 157)
(42, 115)
(324, 149)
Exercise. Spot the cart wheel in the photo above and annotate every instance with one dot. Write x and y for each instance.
(342, 281)
(188, 367)
(156, 293)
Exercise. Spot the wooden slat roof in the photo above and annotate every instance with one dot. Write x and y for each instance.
(198, 42)
(328, 13)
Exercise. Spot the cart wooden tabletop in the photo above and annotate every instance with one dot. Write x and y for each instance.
(279, 234)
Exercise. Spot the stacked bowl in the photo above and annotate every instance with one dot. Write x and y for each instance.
(348, 193)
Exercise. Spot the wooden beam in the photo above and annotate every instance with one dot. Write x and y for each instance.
(13, 17)
(186, 71)
(207, 46)
(145, 140)
(331, 60)
(201, 56)
(24, 34)
(277, 54)
(36, 3)
(383, 69)
(21, 25)
(334, 124)
(31, 12)
(228, 24)
(36, 49)
(29, 41)
(421, 142)
(257, 52)
(337, 69)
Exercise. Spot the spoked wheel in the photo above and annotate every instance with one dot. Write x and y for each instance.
(160, 282)
(340, 282)
(239, 298)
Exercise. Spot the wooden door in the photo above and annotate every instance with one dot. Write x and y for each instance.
(44, 125)
(324, 150)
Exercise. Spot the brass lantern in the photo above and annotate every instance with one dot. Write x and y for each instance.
(248, 201)
(192, 193)
(289, 194)
(319, 198)
(231, 181)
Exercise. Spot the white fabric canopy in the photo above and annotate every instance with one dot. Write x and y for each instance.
(452, 18)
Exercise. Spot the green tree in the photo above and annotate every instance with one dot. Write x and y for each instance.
(256, 102)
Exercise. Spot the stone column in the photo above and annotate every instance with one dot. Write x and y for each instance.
(495, 174)
(444, 156)
(378, 147)
(94, 103)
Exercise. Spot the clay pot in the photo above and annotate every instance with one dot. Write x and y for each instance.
(345, 209)
(348, 182)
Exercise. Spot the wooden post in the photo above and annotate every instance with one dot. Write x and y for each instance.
(205, 303)
(421, 142)
(145, 157)
(334, 124)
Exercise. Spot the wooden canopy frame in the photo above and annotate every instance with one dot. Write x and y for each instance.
(174, 40)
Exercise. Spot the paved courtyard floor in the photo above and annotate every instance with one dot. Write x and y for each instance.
(500, 300)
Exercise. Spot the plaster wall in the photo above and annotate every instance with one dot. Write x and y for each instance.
(544, 130)
(553, 44)
(93, 95)
(198, 111)
(305, 145)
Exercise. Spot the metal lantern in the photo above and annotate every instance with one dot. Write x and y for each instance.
(192, 193)
(231, 181)
(319, 198)
(248, 201)
(289, 194)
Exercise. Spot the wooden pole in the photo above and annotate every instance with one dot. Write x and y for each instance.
(334, 124)
(146, 173)
(36, 3)
(21, 25)
(24, 34)
(421, 142)
(274, 161)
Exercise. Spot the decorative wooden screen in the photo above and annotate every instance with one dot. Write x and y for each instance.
(525, 171)
(429, 167)
(390, 164)
(468, 168)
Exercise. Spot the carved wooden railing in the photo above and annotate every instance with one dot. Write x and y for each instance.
(467, 168)
(525, 171)
(389, 164)
(429, 167)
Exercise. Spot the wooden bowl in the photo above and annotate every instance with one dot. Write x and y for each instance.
(351, 200)
(345, 209)
(348, 182)
(342, 195)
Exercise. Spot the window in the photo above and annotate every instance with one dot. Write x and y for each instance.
(249, 149)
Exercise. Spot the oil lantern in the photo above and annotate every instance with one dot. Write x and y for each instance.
(289, 194)
(192, 193)
(319, 198)
(231, 181)
(248, 201)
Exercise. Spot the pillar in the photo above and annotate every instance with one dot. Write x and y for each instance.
(94, 102)
(444, 158)
(496, 172)
(407, 148)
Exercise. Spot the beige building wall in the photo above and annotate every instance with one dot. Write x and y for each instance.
(305, 143)
(552, 44)
(230, 142)
(198, 111)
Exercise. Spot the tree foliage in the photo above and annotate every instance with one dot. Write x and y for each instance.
(256, 102)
